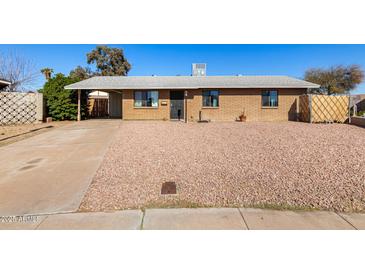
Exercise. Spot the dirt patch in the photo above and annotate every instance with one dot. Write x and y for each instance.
(289, 165)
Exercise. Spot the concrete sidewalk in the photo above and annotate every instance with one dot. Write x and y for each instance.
(50, 172)
(183, 218)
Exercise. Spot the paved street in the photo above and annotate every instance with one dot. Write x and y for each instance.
(50, 172)
(195, 218)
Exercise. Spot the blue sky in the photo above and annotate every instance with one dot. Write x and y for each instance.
(291, 60)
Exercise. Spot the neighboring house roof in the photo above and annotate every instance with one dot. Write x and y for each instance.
(4, 83)
(189, 82)
(360, 96)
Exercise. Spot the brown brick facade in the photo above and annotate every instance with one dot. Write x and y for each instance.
(231, 104)
(162, 112)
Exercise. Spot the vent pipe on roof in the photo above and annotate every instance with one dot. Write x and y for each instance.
(199, 69)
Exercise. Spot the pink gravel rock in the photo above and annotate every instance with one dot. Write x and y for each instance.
(288, 164)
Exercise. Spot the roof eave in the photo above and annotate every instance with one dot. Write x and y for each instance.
(202, 87)
(2, 81)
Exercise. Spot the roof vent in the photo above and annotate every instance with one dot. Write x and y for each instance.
(199, 69)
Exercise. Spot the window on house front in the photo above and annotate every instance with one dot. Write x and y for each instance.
(210, 98)
(269, 98)
(146, 98)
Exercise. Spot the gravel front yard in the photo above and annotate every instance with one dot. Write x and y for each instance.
(289, 165)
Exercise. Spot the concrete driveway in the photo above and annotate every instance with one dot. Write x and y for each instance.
(51, 172)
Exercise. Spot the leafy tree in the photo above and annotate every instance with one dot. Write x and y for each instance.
(336, 80)
(81, 73)
(61, 104)
(47, 72)
(109, 61)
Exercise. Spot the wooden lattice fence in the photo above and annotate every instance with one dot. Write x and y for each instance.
(324, 108)
(20, 108)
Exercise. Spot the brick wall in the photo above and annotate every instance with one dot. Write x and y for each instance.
(231, 104)
(159, 113)
(233, 101)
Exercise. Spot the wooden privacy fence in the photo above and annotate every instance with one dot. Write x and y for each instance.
(324, 108)
(98, 107)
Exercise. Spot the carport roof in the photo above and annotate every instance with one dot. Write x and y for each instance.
(189, 82)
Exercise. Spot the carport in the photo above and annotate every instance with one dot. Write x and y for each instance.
(120, 93)
(172, 97)
(115, 95)
(114, 102)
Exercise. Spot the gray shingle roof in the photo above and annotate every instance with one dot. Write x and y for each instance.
(189, 82)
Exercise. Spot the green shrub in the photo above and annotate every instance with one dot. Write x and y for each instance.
(61, 104)
(361, 113)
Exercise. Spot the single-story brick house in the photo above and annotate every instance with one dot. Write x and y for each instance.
(190, 98)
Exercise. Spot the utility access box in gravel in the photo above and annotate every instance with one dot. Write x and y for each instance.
(168, 188)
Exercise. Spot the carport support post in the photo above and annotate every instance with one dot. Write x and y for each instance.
(186, 106)
(78, 105)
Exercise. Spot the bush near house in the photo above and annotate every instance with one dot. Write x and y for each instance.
(61, 104)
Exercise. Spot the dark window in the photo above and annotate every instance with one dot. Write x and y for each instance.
(146, 98)
(269, 98)
(210, 98)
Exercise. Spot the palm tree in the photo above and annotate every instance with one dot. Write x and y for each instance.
(47, 72)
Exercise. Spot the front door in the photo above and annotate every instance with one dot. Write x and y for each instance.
(115, 105)
(177, 104)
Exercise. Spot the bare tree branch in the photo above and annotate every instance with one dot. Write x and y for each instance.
(20, 71)
(336, 79)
